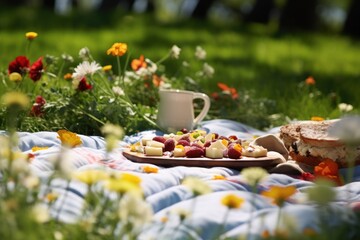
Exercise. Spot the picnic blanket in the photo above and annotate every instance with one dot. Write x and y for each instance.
(165, 193)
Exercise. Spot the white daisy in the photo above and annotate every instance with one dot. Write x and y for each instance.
(200, 53)
(175, 52)
(85, 68)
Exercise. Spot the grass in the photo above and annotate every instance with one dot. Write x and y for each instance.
(269, 63)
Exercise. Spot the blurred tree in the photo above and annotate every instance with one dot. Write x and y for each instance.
(261, 11)
(352, 22)
(13, 2)
(202, 8)
(299, 15)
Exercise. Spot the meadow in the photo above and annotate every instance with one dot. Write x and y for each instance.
(256, 60)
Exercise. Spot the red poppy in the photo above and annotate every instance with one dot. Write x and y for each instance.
(215, 96)
(36, 70)
(37, 108)
(19, 65)
(84, 85)
(328, 169)
(136, 64)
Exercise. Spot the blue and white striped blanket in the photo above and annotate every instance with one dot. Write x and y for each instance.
(164, 192)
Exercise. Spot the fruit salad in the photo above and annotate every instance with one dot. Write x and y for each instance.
(197, 144)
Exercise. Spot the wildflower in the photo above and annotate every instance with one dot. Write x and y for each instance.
(64, 164)
(31, 35)
(316, 118)
(15, 77)
(310, 81)
(347, 129)
(20, 65)
(232, 201)
(68, 76)
(117, 49)
(81, 85)
(343, 107)
(150, 169)
(207, 71)
(175, 52)
(118, 90)
(31, 182)
(254, 175)
(328, 169)
(90, 176)
(68, 138)
(279, 194)
(85, 68)
(40, 213)
(196, 185)
(111, 129)
(200, 53)
(228, 90)
(136, 64)
(20, 164)
(322, 192)
(67, 57)
(15, 98)
(37, 148)
(84, 53)
(36, 70)
(107, 68)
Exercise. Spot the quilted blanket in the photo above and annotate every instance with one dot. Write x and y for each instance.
(209, 218)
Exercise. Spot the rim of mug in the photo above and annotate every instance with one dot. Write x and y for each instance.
(177, 91)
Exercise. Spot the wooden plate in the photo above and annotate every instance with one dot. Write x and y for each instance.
(264, 162)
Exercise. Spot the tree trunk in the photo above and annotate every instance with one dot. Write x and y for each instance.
(299, 15)
(202, 8)
(352, 22)
(261, 11)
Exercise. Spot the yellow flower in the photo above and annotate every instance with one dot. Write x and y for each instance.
(68, 138)
(36, 148)
(90, 176)
(254, 175)
(15, 98)
(150, 169)
(316, 118)
(232, 201)
(107, 68)
(31, 35)
(279, 194)
(124, 183)
(218, 177)
(117, 49)
(15, 77)
(51, 196)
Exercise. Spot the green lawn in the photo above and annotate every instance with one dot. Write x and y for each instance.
(247, 58)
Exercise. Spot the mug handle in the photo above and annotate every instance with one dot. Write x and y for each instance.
(205, 109)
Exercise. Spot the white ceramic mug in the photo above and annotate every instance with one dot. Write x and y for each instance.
(176, 109)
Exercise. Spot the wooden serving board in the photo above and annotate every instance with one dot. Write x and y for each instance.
(264, 162)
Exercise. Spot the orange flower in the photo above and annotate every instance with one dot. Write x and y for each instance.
(328, 169)
(136, 64)
(316, 118)
(229, 90)
(68, 76)
(150, 169)
(157, 80)
(107, 68)
(279, 194)
(310, 81)
(69, 138)
(117, 49)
